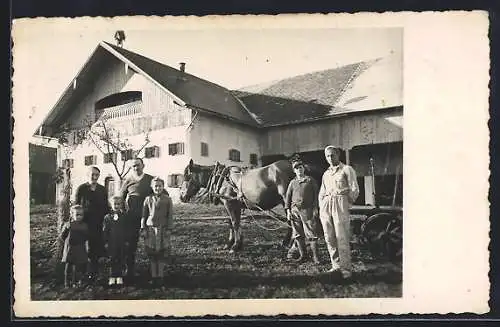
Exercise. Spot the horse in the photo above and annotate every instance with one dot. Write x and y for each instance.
(255, 189)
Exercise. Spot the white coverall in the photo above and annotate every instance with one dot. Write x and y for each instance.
(339, 189)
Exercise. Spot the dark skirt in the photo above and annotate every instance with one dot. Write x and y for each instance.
(74, 253)
(156, 241)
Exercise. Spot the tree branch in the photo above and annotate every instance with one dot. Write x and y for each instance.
(95, 142)
(146, 142)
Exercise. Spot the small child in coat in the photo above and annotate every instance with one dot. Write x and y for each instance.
(156, 227)
(115, 229)
(75, 252)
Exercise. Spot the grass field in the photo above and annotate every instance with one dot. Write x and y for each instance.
(201, 269)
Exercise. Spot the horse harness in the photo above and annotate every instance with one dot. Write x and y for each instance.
(226, 176)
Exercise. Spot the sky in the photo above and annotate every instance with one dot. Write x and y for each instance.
(47, 55)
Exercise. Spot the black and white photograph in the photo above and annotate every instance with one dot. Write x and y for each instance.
(213, 163)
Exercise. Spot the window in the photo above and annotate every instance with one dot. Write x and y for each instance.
(234, 155)
(204, 149)
(176, 149)
(109, 157)
(152, 152)
(90, 160)
(68, 163)
(174, 180)
(254, 160)
(127, 154)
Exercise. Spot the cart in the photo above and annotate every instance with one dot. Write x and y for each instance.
(382, 228)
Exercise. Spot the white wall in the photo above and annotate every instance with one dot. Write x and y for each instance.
(222, 135)
(162, 166)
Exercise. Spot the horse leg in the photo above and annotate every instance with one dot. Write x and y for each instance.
(236, 222)
(230, 241)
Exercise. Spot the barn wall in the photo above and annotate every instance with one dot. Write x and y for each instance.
(222, 135)
(42, 168)
(345, 132)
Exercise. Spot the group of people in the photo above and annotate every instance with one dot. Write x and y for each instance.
(143, 206)
(99, 229)
(306, 205)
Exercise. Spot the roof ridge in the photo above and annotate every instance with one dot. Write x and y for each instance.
(171, 67)
(276, 81)
(360, 69)
(251, 114)
(353, 76)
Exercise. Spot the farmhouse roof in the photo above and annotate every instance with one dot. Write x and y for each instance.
(366, 85)
(188, 90)
(194, 91)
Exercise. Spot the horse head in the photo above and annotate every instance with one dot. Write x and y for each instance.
(188, 189)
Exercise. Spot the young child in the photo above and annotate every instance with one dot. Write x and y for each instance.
(115, 228)
(75, 253)
(156, 226)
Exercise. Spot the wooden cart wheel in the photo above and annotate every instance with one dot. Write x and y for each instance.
(383, 234)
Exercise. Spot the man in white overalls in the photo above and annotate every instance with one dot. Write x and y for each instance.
(339, 189)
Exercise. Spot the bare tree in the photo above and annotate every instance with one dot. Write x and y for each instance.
(108, 140)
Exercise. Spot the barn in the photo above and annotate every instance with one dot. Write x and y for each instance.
(357, 107)
(42, 170)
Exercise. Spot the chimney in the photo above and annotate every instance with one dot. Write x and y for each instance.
(182, 66)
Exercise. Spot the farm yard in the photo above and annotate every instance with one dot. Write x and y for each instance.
(202, 269)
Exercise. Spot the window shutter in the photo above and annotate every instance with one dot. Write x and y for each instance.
(127, 154)
(68, 163)
(171, 149)
(234, 155)
(169, 181)
(109, 157)
(254, 160)
(175, 149)
(204, 149)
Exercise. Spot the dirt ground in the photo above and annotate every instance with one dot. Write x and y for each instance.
(202, 269)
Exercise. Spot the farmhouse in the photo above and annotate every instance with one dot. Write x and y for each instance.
(357, 107)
